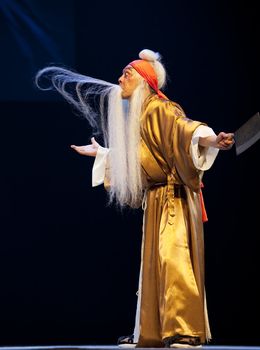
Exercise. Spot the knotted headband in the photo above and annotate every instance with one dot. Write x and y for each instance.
(145, 69)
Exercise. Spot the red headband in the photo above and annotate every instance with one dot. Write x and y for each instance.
(145, 69)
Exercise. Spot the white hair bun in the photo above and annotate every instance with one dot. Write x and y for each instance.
(149, 55)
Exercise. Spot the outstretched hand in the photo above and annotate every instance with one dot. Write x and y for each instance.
(225, 141)
(88, 150)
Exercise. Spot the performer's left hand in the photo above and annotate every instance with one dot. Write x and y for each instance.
(225, 141)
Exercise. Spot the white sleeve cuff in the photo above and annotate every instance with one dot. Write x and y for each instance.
(202, 157)
(99, 166)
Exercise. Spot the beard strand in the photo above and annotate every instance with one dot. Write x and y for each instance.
(126, 186)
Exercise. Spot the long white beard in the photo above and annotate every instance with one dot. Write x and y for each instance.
(120, 127)
(124, 144)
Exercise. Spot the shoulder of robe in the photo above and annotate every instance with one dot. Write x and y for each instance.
(165, 108)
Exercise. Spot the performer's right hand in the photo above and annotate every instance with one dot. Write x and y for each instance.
(88, 150)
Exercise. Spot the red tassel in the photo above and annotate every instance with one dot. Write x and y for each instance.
(203, 209)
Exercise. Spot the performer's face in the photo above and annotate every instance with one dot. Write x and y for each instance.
(128, 81)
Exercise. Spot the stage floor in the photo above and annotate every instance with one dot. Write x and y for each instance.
(114, 347)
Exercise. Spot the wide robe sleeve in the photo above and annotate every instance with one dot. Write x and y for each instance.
(203, 157)
(99, 166)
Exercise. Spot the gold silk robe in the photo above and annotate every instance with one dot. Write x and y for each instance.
(172, 287)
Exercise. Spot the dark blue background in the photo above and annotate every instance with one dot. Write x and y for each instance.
(69, 264)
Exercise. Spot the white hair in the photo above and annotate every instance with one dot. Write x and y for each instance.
(154, 58)
(120, 127)
(124, 143)
(86, 94)
(101, 103)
